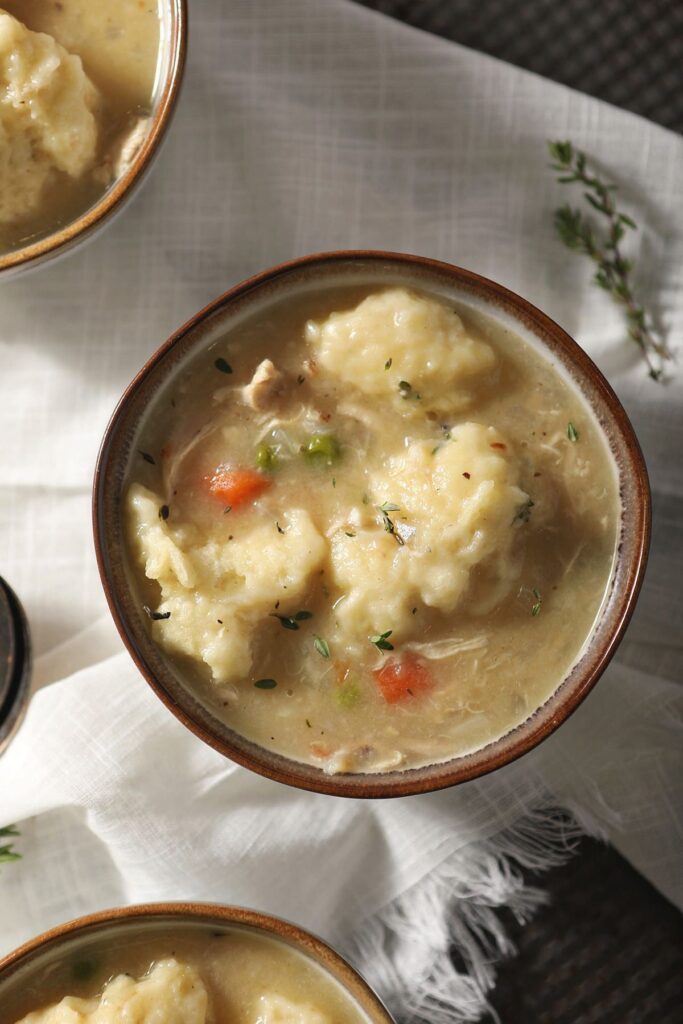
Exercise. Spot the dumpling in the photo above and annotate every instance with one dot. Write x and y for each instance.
(414, 351)
(173, 993)
(218, 593)
(47, 116)
(457, 507)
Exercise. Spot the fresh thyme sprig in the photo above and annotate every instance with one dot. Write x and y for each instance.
(7, 852)
(613, 269)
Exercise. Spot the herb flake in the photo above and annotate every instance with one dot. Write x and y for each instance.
(265, 684)
(321, 646)
(147, 457)
(381, 641)
(163, 512)
(536, 608)
(156, 616)
(572, 433)
(223, 365)
(285, 621)
(384, 509)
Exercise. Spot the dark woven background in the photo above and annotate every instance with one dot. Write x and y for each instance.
(608, 949)
(629, 52)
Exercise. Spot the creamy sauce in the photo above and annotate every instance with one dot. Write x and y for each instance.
(217, 976)
(407, 649)
(118, 42)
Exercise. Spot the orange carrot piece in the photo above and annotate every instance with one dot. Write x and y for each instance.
(236, 487)
(403, 678)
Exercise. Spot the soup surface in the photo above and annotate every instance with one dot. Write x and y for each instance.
(375, 531)
(76, 84)
(181, 975)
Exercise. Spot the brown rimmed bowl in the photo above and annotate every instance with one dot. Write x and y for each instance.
(88, 938)
(373, 269)
(169, 77)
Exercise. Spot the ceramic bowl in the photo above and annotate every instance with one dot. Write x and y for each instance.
(87, 940)
(372, 269)
(88, 224)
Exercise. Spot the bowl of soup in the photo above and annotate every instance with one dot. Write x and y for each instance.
(181, 963)
(370, 524)
(86, 95)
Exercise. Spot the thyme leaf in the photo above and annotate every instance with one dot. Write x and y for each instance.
(223, 365)
(536, 608)
(265, 684)
(163, 512)
(7, 851)
(321, 646)
(156, 616)
(381, 641)
(523, 512)
(384, 509)
(572, 432)
(285, 621)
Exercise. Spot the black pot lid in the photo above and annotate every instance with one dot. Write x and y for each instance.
(15, 664)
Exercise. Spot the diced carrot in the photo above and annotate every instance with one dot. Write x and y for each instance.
(401, 679)
(236, 487)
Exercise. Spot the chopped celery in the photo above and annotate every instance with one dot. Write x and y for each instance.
(348, 694)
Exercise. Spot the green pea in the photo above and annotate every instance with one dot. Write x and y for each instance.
(266, 458)
(322, 449)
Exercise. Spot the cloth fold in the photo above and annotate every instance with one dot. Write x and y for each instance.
(306, 126)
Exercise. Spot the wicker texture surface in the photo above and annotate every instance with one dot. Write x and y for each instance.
(628, 52)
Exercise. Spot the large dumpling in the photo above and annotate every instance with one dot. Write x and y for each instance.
(173, 993)
(456, 507)
(47, 116)
(217, 593)
(398, 345)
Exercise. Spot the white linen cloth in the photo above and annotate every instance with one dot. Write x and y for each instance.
(308, 125)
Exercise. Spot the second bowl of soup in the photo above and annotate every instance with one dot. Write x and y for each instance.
(371, 524)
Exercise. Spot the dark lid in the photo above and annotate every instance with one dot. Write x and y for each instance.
(15, 663)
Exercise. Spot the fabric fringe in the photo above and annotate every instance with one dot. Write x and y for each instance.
(432, 953)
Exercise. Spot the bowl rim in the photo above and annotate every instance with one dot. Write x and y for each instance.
(277, 928)
(86, 223)
(521, 739)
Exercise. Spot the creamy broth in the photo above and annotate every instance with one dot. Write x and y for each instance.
(181, 974)
(118, 43)
(418, 544)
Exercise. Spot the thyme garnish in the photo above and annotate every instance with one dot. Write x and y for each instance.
(321, 646)
(279, 528)
(223, 365)
(384, 509)
(536, 608)
(406, 390)
(265, 684)
(291, 621)
(156, 616)
(7, 851)
(523, 512)
(381, 641)
(572, 432)
(613, 269)
(163, 512)
(147, 457)
(387, 365)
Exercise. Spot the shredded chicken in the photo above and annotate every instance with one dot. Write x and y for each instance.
(264, 386)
